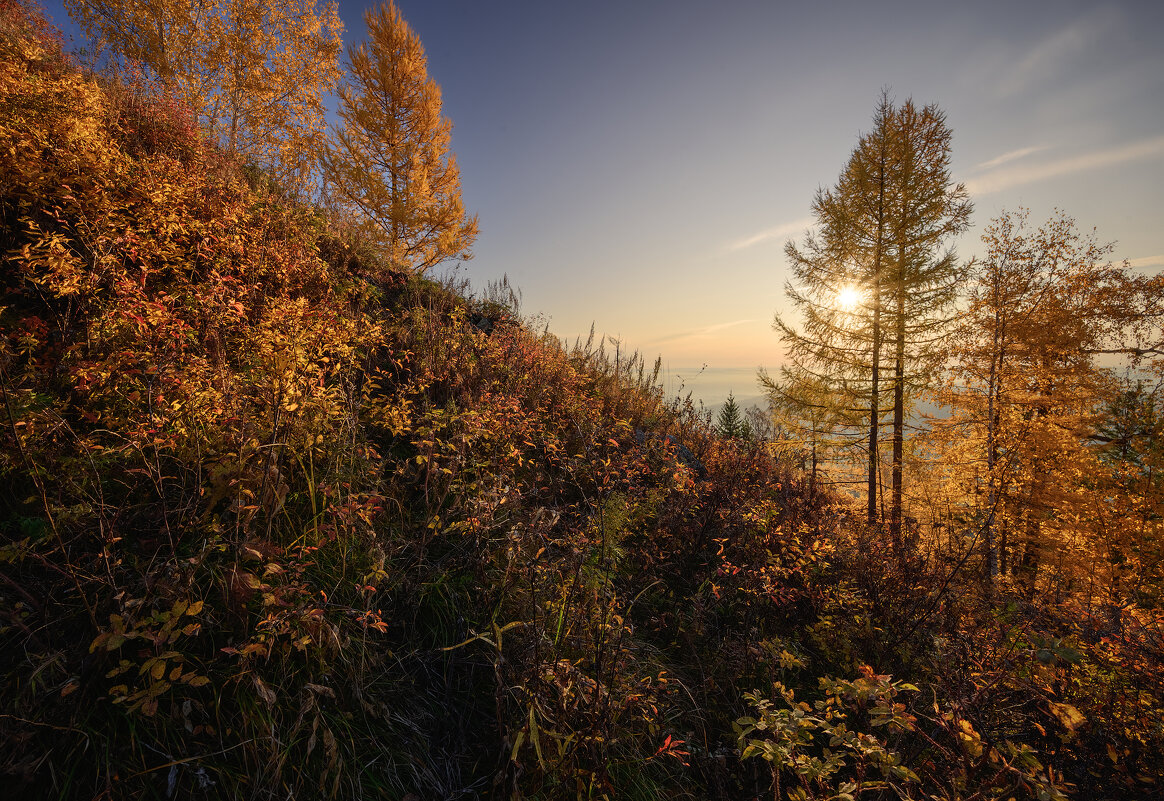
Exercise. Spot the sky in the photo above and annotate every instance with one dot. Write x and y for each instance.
(638, 165)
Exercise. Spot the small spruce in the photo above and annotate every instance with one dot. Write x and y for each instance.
(731, 424)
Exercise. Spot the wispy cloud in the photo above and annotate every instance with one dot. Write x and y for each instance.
(1005, 158)
(1148, 261)
(1049, 57)
(775, 232)
(999, 180)
(711, 329)
(697, 332)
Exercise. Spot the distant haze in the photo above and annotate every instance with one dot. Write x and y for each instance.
(711, 385)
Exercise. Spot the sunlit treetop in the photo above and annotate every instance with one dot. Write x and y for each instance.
(254, 71)
(390, 162)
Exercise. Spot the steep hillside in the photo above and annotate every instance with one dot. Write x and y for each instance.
(277, 521)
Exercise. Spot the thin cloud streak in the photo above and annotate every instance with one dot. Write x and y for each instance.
(699, 332)
(720, 326)
(1013, 155)
(1148, 261)
(776, 232)
(1050, 56)
(1006, 179)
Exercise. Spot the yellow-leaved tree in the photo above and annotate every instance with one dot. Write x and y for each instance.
(389, 162)
(255, 72)
(1028, 392)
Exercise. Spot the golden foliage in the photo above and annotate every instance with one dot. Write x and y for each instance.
(390, 162)
(255, 71)
(270, 529)
(1028, 393)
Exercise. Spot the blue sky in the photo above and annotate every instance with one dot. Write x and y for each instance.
(639, 165)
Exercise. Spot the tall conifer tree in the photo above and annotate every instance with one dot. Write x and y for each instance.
(926, 210)
(390, 161)
(879, 244)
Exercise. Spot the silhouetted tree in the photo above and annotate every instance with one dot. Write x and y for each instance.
(730, 424)
(874, 284)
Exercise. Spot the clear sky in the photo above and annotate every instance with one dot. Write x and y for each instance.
(639, 164)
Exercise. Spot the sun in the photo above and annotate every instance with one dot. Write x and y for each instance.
(849, 298)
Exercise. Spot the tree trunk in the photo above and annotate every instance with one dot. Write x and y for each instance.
(812, 475)
(1026, 571)
(994, 547)
(875, 373)
(989, 541)
(874, 415)
(898, 418)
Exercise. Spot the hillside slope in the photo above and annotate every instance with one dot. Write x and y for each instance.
(277, 521)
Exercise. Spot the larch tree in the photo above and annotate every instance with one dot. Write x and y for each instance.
(875, 284)
(255, 72)
(389, 162)
(806, 422)
(832, 368)
(926, 210)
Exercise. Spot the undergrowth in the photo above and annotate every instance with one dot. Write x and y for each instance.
(279, 521)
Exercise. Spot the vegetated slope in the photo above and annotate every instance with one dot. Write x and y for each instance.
(278, 521)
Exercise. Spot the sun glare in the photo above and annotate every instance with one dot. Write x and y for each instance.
(849, 298)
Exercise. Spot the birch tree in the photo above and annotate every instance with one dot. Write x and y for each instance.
(1027, 389)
